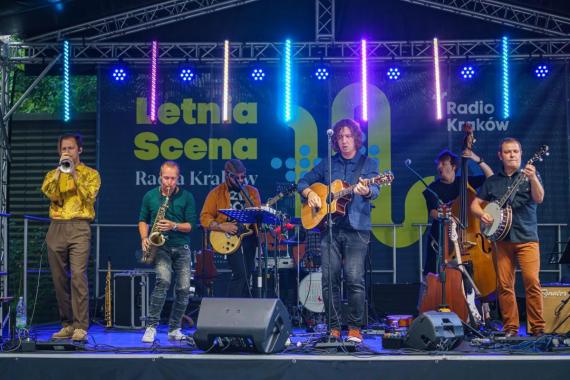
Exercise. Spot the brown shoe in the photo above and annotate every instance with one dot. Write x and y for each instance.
(538, 333)
(335, 334)
(354, 335)
(65, 333)
(79, 335)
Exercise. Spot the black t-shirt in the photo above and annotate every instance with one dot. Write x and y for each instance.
(524, 227)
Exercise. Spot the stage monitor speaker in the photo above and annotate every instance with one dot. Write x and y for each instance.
(242, 324)
(556, 311)
(434, 330)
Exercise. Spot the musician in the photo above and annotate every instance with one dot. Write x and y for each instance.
(174, 255)
(235, 194)
(72, 188)
(447, 187)
(351, 233)
(521, 243)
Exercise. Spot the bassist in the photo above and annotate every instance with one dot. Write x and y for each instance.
(351, 232)
(521, 243)
(228, 195)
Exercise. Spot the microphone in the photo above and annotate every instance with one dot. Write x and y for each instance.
(330, 132)
(407, 162)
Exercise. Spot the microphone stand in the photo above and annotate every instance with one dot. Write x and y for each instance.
(441, 218)
(329, 222)
(261, 254)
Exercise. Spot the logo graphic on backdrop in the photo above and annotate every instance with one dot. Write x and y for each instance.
(482, 115)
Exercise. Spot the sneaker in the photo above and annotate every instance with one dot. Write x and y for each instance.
(511, 333)
(65, 333)
(149, 335)
(354, 335)
(176, 334)
(334, 334)
(79, 335)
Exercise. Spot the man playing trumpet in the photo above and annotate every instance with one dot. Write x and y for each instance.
(72, 188)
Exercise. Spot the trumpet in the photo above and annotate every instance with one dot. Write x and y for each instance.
(66, 165)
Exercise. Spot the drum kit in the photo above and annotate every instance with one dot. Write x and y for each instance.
(298, 281)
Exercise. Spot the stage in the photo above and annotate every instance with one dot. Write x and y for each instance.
(117, 353)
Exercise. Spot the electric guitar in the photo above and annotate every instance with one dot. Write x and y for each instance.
(225, 243)
(314, 217)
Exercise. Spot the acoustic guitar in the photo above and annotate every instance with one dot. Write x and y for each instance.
(225, 243)
(315, 217)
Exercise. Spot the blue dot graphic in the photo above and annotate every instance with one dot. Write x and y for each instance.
(290, 176)
(276, 163)
(305, 162)
(304, 150)
(290, 163)
(374, 150)
(316, 161)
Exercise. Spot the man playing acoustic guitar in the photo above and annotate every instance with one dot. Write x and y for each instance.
(521, 243)
(228, 195)
(351, 232)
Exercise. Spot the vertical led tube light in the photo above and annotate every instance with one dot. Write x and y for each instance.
(364, 82)
(153, 74)
(288, 79)
(225, 105)
(505, 79)
(66, 97)
(438, 111)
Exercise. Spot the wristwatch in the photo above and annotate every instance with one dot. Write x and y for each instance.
(481, 160)
(175, 227)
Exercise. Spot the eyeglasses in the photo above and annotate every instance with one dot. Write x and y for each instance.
(240, 176)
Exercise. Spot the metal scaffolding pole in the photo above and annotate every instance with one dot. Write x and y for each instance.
(324, 20)
(333, 51)
(503, 13)
(136, 20)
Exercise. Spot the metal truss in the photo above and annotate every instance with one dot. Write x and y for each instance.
(152, 16)
(504, 13)
(205, 52)
(324, 20)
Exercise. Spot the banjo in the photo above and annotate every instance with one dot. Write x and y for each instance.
(502, 212)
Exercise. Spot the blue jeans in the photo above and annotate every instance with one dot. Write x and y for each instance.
(170, 259)
(348, 253)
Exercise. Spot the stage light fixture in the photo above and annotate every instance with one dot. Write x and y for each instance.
(364, 79)
(66, 96)
(467, 72)
(226, 88)
(186, 74)
(119, 74)
(153, 81)
(288, 82)
(542, 70)
(393, 73)
(438, 110)
(321, 73)
(258, 74)
(505, 77)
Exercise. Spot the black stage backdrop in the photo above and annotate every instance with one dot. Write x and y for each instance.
(401, 125)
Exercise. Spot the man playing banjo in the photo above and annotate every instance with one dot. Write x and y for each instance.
(520, 244)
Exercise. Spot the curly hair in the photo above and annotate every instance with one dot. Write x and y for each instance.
(354, 129)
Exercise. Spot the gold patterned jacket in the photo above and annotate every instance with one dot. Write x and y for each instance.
(71, 199)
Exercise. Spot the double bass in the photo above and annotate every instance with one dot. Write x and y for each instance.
(475, 248)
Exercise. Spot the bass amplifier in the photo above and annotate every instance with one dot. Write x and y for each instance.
(130, 299)
(556, 312)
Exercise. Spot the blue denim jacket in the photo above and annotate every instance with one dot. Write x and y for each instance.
(359, 207)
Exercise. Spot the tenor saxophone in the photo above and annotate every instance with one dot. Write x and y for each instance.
(156, 238)
(108, 320)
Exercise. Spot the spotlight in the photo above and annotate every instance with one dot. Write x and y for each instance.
(186, 74)
(258, 74)
(322, 73)
(467, 72)
(393, 73)
(541, 70)
(119, 74)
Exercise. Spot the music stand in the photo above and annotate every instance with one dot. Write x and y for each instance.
(565, 257)
(257, 216)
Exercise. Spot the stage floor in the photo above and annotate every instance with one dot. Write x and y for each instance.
(118, 353)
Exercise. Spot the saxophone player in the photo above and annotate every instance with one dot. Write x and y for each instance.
(174, 254)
